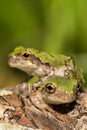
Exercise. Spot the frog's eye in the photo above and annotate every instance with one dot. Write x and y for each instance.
(50, 88)
(26, 54)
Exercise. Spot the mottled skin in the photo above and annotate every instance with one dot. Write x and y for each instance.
(53, 91)
(56, 78)
(57, 90)
(43, 65)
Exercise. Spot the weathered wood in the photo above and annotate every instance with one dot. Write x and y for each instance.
(18, 112)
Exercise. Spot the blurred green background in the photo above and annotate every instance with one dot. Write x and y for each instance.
(56, 26)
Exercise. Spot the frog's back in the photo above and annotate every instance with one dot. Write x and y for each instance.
(54, 60)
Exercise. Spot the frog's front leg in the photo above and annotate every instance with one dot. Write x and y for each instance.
(37, 101)
(40, 81)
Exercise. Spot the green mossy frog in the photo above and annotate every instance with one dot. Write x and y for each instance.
(42, 64)
(56, 90)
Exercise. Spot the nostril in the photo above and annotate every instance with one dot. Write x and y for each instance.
(14, 57)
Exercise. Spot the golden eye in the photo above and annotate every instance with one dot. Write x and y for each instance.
(50, 88)
(26, 55)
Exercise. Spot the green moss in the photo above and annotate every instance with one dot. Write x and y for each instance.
(17, 50)
(66, 84)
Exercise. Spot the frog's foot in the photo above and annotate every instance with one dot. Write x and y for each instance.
(36, 85)
(70, 67)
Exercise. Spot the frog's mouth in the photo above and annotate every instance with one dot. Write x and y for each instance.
(59, 97)
(21, 64)
(22, 67)
(15, 61)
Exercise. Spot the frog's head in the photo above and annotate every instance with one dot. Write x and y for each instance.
(59, 90)
(24, 59)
